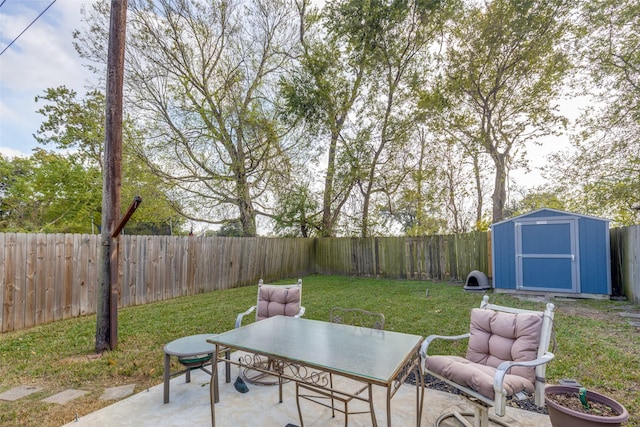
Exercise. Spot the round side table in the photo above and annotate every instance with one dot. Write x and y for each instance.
(193, 352)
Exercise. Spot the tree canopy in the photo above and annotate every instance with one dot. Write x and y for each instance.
(296, 118)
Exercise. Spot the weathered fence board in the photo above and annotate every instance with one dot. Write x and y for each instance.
(48, 277)
(3, 287)
(625, 262)
(449, 257)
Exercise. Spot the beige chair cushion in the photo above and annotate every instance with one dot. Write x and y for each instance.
(274, 301)
(495, 337)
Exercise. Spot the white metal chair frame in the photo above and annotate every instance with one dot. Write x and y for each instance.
(482, 403)
(266, 365)
(298, 285)
(347, 316)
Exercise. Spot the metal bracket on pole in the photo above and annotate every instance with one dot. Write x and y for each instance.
(134, 205)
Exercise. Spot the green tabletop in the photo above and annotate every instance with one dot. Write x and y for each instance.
(371, 354)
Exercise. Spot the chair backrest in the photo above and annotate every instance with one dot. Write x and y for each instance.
(500, 333)
(274, 300)
(357, 317)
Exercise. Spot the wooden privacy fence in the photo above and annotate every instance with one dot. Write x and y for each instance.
(48, 277)
(447, 257)
(625, 262)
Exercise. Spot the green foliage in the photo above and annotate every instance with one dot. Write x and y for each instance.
(61, 191)
(601, 176)
(226, 124)
(297, 213)
(534, 200)
(72, 124)
(49, 193)
(230, 229)
(504, 65)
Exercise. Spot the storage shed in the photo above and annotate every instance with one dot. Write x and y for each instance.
(552, 251)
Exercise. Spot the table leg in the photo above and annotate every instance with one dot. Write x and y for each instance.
(374, 420)
(214, 392)
(419, 392)
(227, 366)
(167, 377)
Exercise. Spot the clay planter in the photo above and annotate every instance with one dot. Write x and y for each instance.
(562, 416)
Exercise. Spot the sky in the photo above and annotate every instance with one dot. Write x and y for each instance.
(42, 57)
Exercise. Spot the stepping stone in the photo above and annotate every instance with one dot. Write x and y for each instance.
(624, 307)
(633, 315)
(65, 396)
(117, 393)
(19, 392)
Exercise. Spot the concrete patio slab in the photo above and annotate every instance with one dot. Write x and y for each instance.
(19, 392)
(189, 406)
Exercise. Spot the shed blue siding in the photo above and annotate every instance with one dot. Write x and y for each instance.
(592, 254)
(504, 250)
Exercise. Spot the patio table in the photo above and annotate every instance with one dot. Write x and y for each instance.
(372, 356)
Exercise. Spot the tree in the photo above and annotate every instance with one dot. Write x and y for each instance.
(75, 126)
(503, 72)
(48, 193)
(602, 173)
(396, 33)
(201, 79)
(321, 95)
(535, 199)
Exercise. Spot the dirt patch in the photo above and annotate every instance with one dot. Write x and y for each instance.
(81, 358)
(572, 401)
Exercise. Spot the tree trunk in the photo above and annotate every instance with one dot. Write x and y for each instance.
(479, 193)
(500, 188)
(327, 214)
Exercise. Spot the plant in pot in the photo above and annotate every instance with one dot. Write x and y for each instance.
(578, 407)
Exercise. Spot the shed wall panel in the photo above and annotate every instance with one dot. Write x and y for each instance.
(592, 255)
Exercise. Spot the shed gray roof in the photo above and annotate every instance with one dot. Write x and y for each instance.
(553, 211)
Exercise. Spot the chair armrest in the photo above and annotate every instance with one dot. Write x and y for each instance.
(301, 312)
(501, 371)
(427, 341)
(241, 315)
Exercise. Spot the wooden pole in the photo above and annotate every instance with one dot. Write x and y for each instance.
(107, 309)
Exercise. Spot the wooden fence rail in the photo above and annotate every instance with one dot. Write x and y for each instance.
(448, 257)
(48, 277)
(625, 261)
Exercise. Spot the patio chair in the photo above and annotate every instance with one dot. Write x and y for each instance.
(328, 397)
(507, 354)
(272, 300)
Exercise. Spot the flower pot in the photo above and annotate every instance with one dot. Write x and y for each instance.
(562, 416)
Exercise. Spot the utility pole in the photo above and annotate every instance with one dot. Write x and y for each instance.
(107, 309)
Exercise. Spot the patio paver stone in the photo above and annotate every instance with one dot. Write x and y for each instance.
(19, 392)
(65, 396)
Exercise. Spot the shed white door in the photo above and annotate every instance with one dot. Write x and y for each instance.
(547, 255)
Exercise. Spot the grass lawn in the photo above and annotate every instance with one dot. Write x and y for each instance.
(594, 344)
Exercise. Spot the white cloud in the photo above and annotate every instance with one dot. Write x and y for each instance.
(41, 58)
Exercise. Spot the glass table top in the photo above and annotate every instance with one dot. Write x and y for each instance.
(376, 355)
